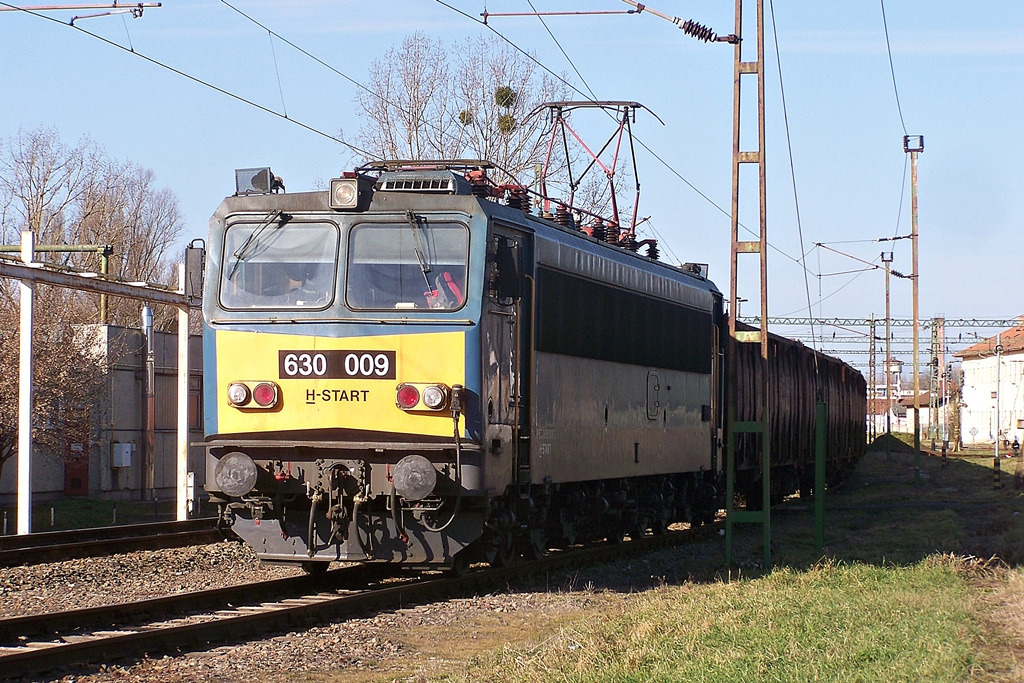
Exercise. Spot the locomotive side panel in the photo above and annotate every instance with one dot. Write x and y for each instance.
(622, 383)
(597, 420)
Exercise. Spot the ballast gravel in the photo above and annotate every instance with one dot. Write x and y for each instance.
(95, 581)
(363, 647)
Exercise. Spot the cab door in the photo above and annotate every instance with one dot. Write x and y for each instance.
(505, 351)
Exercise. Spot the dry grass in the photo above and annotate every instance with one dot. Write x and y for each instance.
(920, 581)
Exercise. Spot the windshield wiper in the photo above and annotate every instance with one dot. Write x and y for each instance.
(240, 253)
(417, 230)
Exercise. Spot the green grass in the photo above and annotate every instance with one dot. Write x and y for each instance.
(834, 622)
(82, 513)
(892, 598)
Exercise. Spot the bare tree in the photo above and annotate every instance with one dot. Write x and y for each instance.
(474, 100)
(73, 195)
(77, 195)
(471, 101)
(68, 376)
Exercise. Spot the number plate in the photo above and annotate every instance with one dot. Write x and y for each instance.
(336, 364)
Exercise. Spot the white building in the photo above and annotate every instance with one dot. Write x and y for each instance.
(879, 403)
(990, 372)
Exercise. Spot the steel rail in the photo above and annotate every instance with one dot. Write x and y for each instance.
(54, 546)
(73, 647)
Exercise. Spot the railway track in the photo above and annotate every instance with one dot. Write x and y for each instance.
(42, 643)
(53, 546)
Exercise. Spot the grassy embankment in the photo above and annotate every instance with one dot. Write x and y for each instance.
(907, 590)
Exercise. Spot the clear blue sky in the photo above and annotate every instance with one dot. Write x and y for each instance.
(959, 69)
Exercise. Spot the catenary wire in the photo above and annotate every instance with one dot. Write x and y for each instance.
(640, 142)
(195, 79)
(562, 50)
(277, 70)
(892, 70)
(792, 172)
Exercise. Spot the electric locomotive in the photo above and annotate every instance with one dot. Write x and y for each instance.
(413, 368)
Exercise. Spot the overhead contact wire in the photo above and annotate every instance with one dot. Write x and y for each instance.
(639, 141)
(562, 50)
(892, 70)
(196, 79)
(792, 173)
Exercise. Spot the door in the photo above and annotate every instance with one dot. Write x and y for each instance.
(504, 346)
(76, 466)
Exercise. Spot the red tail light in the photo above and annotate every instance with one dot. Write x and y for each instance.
(408, 396)
(265, 394)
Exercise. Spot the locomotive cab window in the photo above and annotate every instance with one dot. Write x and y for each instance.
(418, 264)
(279, 264)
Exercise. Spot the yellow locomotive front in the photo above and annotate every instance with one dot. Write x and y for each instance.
(341, 354)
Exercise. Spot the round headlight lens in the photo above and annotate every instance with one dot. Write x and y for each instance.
(433, 397)
(265, 394)
(408, 396)
(344, 194)
(238, 394)
(236, 474)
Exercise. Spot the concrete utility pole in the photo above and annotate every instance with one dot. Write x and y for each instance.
(871, 379)
(914, 145)
(27, 291)
(887, 260)
(28, 274)
(999, 367)
(759, 248)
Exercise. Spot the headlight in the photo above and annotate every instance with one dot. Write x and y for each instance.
(238, 394)
(434, 397)
(344, 193)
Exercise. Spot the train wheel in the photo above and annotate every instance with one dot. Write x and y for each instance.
(461, 563)
(534, 544)
(505, 554)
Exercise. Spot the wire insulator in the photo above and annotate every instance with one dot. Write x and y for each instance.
(479, 183)
(613, 234)
(599, 231)
(518, 199)
(562, 216)
(630, 243)
(652, 251)
(698, 31)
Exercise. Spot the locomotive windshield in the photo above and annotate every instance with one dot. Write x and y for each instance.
(279, 264)
(417, 264)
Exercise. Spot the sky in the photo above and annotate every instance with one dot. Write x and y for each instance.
(959, 75)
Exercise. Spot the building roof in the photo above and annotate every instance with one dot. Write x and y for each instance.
(1011, 339)
(879, 406)
(923, 400)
